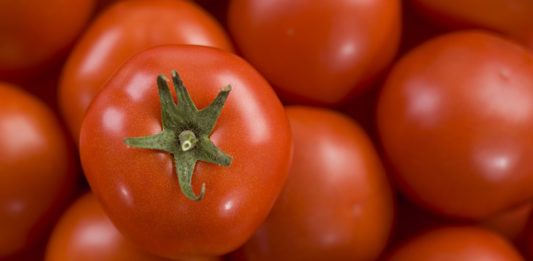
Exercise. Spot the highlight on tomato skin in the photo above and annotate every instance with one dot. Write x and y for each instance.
(141, 188)
(456, 243)
(37, 170)
(122, 30)
(337, 203)
(454, 119)
(317, 52)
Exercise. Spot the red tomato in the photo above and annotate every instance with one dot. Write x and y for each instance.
(455, 118)
(317, 51)
(456, 243)
(35, 32)
(510, 17)
(122, 30)
(138, 187)
(337, 203)
(510, 223)
(85, 233)
(37, 170)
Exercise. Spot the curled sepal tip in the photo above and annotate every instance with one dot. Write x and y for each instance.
(185, 133)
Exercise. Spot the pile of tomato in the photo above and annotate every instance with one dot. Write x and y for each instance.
(244, 130)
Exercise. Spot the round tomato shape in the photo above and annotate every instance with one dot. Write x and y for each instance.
(510, 17)
(37, 170)
(456, 243)
(455, 118)
(85, 233)
(35, 32)
(219, 207)
(337, 203)
(122, 30)
(319, 51)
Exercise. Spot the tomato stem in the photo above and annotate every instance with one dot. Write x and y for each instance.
(185, 133)
(187, 140)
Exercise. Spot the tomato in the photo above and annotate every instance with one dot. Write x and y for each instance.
(35, 32)
(456, 243)
(122, 30)
(455, 118)
(512, 222)
(85, 233)
(510, 17)
(337, 203)
(37, 170)
(138, 187)
(321, 51)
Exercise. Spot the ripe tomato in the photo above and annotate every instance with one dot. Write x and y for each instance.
(337, 203)
(510, 223)
(85, 233)
(138, 187)
(456, 243)
(455, 118)
(37, 170)
(124, 29)
(317, 51)
(35, 32)
(510, 17)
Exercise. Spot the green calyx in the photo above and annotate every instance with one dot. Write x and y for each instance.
(185, 133)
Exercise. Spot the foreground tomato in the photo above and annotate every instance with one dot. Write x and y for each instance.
(337, 203)
(456, 243)
(34, 32)
(455, 118)
(37, 173)
(139, 188)
(510, 17)
(317, 51)
(122, 30)
(85, 233)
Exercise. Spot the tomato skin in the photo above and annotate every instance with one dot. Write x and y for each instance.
(456, 243)
(139, 188)
(336, 204)
(53, 25)
(85, 233)
(455, 117)
(319, 52)
(37, 170)
(122, 30)
(510, 17)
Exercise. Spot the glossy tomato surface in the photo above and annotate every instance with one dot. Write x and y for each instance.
(456, 243)
(122, 30)
(510, 17)
(318, 51)
(85, 233)
(34, 32)
(139, 188)
(455, 118)
(337, 203)
(37, 170)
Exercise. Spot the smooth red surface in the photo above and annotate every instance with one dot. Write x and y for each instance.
(85, 233)
(320, 51)
(122, 30)
(35, 32)
(509, 17)
(337, 203)
(139, 187)
(456, 243)
(37, 170)
(455, 118)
